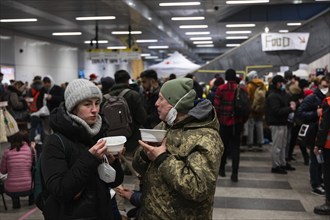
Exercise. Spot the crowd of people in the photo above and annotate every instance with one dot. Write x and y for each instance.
(178, 177)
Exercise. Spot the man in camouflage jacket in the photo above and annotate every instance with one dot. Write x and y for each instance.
(180, 175)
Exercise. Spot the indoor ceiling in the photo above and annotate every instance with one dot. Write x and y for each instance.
(154, 21)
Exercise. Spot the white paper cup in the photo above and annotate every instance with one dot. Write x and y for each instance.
(114, 144)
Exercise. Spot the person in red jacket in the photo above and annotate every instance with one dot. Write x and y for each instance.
(322, 145)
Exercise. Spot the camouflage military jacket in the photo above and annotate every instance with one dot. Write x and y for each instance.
(182, 186)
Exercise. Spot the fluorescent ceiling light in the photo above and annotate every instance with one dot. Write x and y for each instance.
(94, 42)
(238, 32)
(66, 33)
(204, 45)
(151, 57)
(239, 25)
(193, 26)
(126, 32)
(322, 0)
(158, 47)
(116, 47)
(246, 2)
(201, 38)
(232, 45)
(147, 41)
(95, 18)
(187, 18)
(283, 31)
(293, 24)
(3, 37)
(19, 20)
(236, 37)
(179, 4)
(203, 42)
(197, 33)
(145, 54)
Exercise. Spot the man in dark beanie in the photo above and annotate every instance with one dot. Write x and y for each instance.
(278, 107)
(230, 126)
(185, 166)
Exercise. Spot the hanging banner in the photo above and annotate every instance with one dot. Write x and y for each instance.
(106, 56)
(285, 41)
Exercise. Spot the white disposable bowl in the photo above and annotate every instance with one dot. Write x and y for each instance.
(152, 135)
(115, 143)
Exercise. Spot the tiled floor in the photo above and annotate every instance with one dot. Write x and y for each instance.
(258, 194)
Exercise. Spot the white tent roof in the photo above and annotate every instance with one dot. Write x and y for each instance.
(176, 64)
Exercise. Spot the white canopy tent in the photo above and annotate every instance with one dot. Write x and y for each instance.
(176, 64)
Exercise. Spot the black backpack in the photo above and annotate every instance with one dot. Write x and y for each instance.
(40, 192)
(117, 115)
(241, 104)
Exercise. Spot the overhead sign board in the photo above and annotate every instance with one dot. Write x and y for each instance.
(285, 41)
(113, 56)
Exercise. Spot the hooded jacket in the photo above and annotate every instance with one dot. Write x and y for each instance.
(57, 95)
(180, 183)
(76, 191)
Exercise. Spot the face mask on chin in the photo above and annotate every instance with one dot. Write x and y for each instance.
(324, 91)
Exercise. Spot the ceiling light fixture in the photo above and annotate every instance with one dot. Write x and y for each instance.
(187, 18)
(239, 25)
(236, 37)
(283, 31)
(95, 18)
(193, 26)
(294, 24)
(151, 57)
(158, 47)
(201, 38)
(247, 2)
(204, 45)
(94, 42)
(178, 4)
(116, 48)
(147, 41)
(238, 32)
(203, 42)
(197, 33)
(232, 45)
(66, 33)
(145, 54)
(266, 29)
(19, 20)
(125, 32)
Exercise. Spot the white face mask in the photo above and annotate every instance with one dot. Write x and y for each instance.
(324, 90)
(106, 172)
(171, 115)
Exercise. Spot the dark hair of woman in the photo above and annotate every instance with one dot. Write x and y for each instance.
(17, 139)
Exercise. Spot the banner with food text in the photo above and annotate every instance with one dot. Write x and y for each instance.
(284, 41)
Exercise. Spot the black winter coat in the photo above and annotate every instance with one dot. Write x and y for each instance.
(76, 191)
(277, 108)
(307, 111)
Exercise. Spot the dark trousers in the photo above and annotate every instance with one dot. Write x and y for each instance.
(231, 138)
(326, 173)
(315, 169)
(17, 203)
(292, 144)
(36, 126)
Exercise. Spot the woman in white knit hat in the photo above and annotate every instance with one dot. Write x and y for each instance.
(72, 155)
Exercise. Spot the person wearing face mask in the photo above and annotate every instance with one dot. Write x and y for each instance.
(179, 176)
(278, 107)
(309, 113)
(72, 155)
(150, 84)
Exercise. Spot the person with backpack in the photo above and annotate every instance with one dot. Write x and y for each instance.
(136, 108)
(231, 122)
(257, 95)
(278, 107)
(75, 180)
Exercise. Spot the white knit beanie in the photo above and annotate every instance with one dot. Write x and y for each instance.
(79, 90)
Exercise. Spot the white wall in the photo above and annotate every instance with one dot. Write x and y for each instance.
(34, 57)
